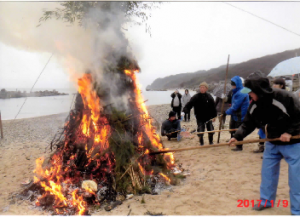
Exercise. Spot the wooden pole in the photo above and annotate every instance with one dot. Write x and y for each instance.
(1, 127)
(214, 131)
(221, 144)
(223, 101)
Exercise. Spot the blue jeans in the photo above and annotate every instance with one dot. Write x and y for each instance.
(270, 174)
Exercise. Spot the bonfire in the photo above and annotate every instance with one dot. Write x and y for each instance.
(102, 154)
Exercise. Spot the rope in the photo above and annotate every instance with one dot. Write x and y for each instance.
(268, 21)
(33, 86)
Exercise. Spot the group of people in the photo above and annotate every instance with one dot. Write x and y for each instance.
(178, 102)
(255, 104)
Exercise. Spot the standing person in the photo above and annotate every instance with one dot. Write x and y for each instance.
(171, 127)
(205, 110)
(279, 111)
(239, 106)
(185, 99)
(279, 83)
(176, 103)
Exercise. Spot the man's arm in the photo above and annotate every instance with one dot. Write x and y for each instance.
(293, 110)
(247, 127)
(163, 129)
(236, 104)
(189, 105)
(213, 106)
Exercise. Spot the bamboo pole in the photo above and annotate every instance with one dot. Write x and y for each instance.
(214, 131)
(1, 127)
(220, 144)
(223, 100)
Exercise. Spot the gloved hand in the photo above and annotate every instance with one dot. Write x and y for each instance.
(223, 96)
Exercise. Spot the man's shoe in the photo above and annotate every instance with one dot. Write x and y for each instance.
(237, 149)
(260, 207)
(169, 139)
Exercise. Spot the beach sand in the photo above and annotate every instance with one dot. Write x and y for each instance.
(218, 177)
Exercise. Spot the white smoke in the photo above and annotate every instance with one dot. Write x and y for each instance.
(96, 45)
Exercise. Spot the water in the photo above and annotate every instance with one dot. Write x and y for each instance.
(41, 106)
(34, 106)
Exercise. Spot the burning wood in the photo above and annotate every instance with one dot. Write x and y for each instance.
(103, 153)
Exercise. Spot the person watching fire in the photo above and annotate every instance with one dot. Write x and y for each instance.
(171, 127)
(205, 111)
(278, 112)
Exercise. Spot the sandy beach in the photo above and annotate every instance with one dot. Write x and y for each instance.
(218, 177)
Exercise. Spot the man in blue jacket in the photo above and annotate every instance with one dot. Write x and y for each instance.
(239, 106)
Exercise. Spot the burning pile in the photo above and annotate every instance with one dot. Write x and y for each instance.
(103, 151)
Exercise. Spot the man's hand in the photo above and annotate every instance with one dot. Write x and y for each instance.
(231, 141)
(285, 137)
(213, 120)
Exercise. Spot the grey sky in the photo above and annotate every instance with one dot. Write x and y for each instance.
(186, 37)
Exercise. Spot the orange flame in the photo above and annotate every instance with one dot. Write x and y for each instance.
(149, 129)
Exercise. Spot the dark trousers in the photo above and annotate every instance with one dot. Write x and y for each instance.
(173, 135)
(234, 125)
(178, 111)
(201, 128)
(187, 116)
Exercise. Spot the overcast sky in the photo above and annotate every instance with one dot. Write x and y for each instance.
(186, 37)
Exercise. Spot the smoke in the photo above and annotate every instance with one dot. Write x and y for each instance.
(97, 45)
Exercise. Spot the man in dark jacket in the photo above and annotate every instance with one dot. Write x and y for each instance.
(239, 106)
(171, 127)
(205, 110)
(176, 103)
(278, 112)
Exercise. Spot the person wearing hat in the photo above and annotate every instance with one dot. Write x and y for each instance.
(278, 83)
(278, 112)
(171, 127)
(176, 103)
(239, 106)
(205, 110)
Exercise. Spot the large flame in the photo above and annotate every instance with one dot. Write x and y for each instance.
(93, 134)
(148, 127)
(53, 178)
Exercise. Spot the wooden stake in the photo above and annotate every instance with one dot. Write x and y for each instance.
(223, 101)
(1, 127)
(221, 144)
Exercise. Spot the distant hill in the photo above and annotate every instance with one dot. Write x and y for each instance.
(192, 80)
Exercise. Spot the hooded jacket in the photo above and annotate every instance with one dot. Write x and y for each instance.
(173, 95)
(185, 99)
(276, 110)
(239, 101)
(204, 106)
